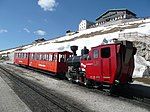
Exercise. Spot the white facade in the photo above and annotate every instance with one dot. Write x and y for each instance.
(84, 24)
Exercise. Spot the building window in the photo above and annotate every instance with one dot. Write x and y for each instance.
(124, 16)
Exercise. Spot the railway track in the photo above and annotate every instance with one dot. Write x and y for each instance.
(126, 94)
(39, 99)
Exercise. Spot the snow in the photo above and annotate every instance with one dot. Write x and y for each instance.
(140, 66)
(51, 45)
(143, 29)
(89, 42)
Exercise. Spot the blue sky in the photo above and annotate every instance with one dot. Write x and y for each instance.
(23, 21)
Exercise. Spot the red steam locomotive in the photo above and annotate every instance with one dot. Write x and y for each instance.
(109, 64)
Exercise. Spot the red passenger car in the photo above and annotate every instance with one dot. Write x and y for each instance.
(21, 58)
(54, 62)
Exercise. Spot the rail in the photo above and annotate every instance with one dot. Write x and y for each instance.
(61, 103)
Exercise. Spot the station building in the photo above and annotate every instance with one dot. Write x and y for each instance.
(110, 16)
(85, 24)
(114, 15)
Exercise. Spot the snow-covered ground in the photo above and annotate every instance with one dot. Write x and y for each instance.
(63, 43)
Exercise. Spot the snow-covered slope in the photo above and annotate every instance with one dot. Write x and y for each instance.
(141, 67)
(96, 36)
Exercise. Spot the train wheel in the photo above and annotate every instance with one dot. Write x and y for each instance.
(113, 89)
(68, 76)
(87, 83)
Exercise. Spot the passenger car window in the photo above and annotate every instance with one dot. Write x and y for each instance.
(37, 56)
(95, 53)
(105, 52)
(62, 58)
(54, 57)
(50, 57)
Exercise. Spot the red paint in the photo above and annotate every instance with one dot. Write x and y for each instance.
(49, 61)
(21, 58)
(110, 67)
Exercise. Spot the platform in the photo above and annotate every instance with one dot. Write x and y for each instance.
(9, 101)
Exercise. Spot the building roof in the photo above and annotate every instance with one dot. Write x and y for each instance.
(113, 10)
(87, 21)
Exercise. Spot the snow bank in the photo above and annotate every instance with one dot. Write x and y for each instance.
(143, 29)
(141, 65)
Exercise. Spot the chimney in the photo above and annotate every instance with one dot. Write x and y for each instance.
(74, 49)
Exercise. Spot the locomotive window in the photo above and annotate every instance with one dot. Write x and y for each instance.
(105, 52)
(95, 53)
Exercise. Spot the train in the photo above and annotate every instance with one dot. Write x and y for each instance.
(104, 65)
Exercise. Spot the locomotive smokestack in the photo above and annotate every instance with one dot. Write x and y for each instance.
(74, 49)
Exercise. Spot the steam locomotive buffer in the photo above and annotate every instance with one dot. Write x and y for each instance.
(103, 65)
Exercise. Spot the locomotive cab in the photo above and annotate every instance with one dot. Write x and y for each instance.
(110, 64)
